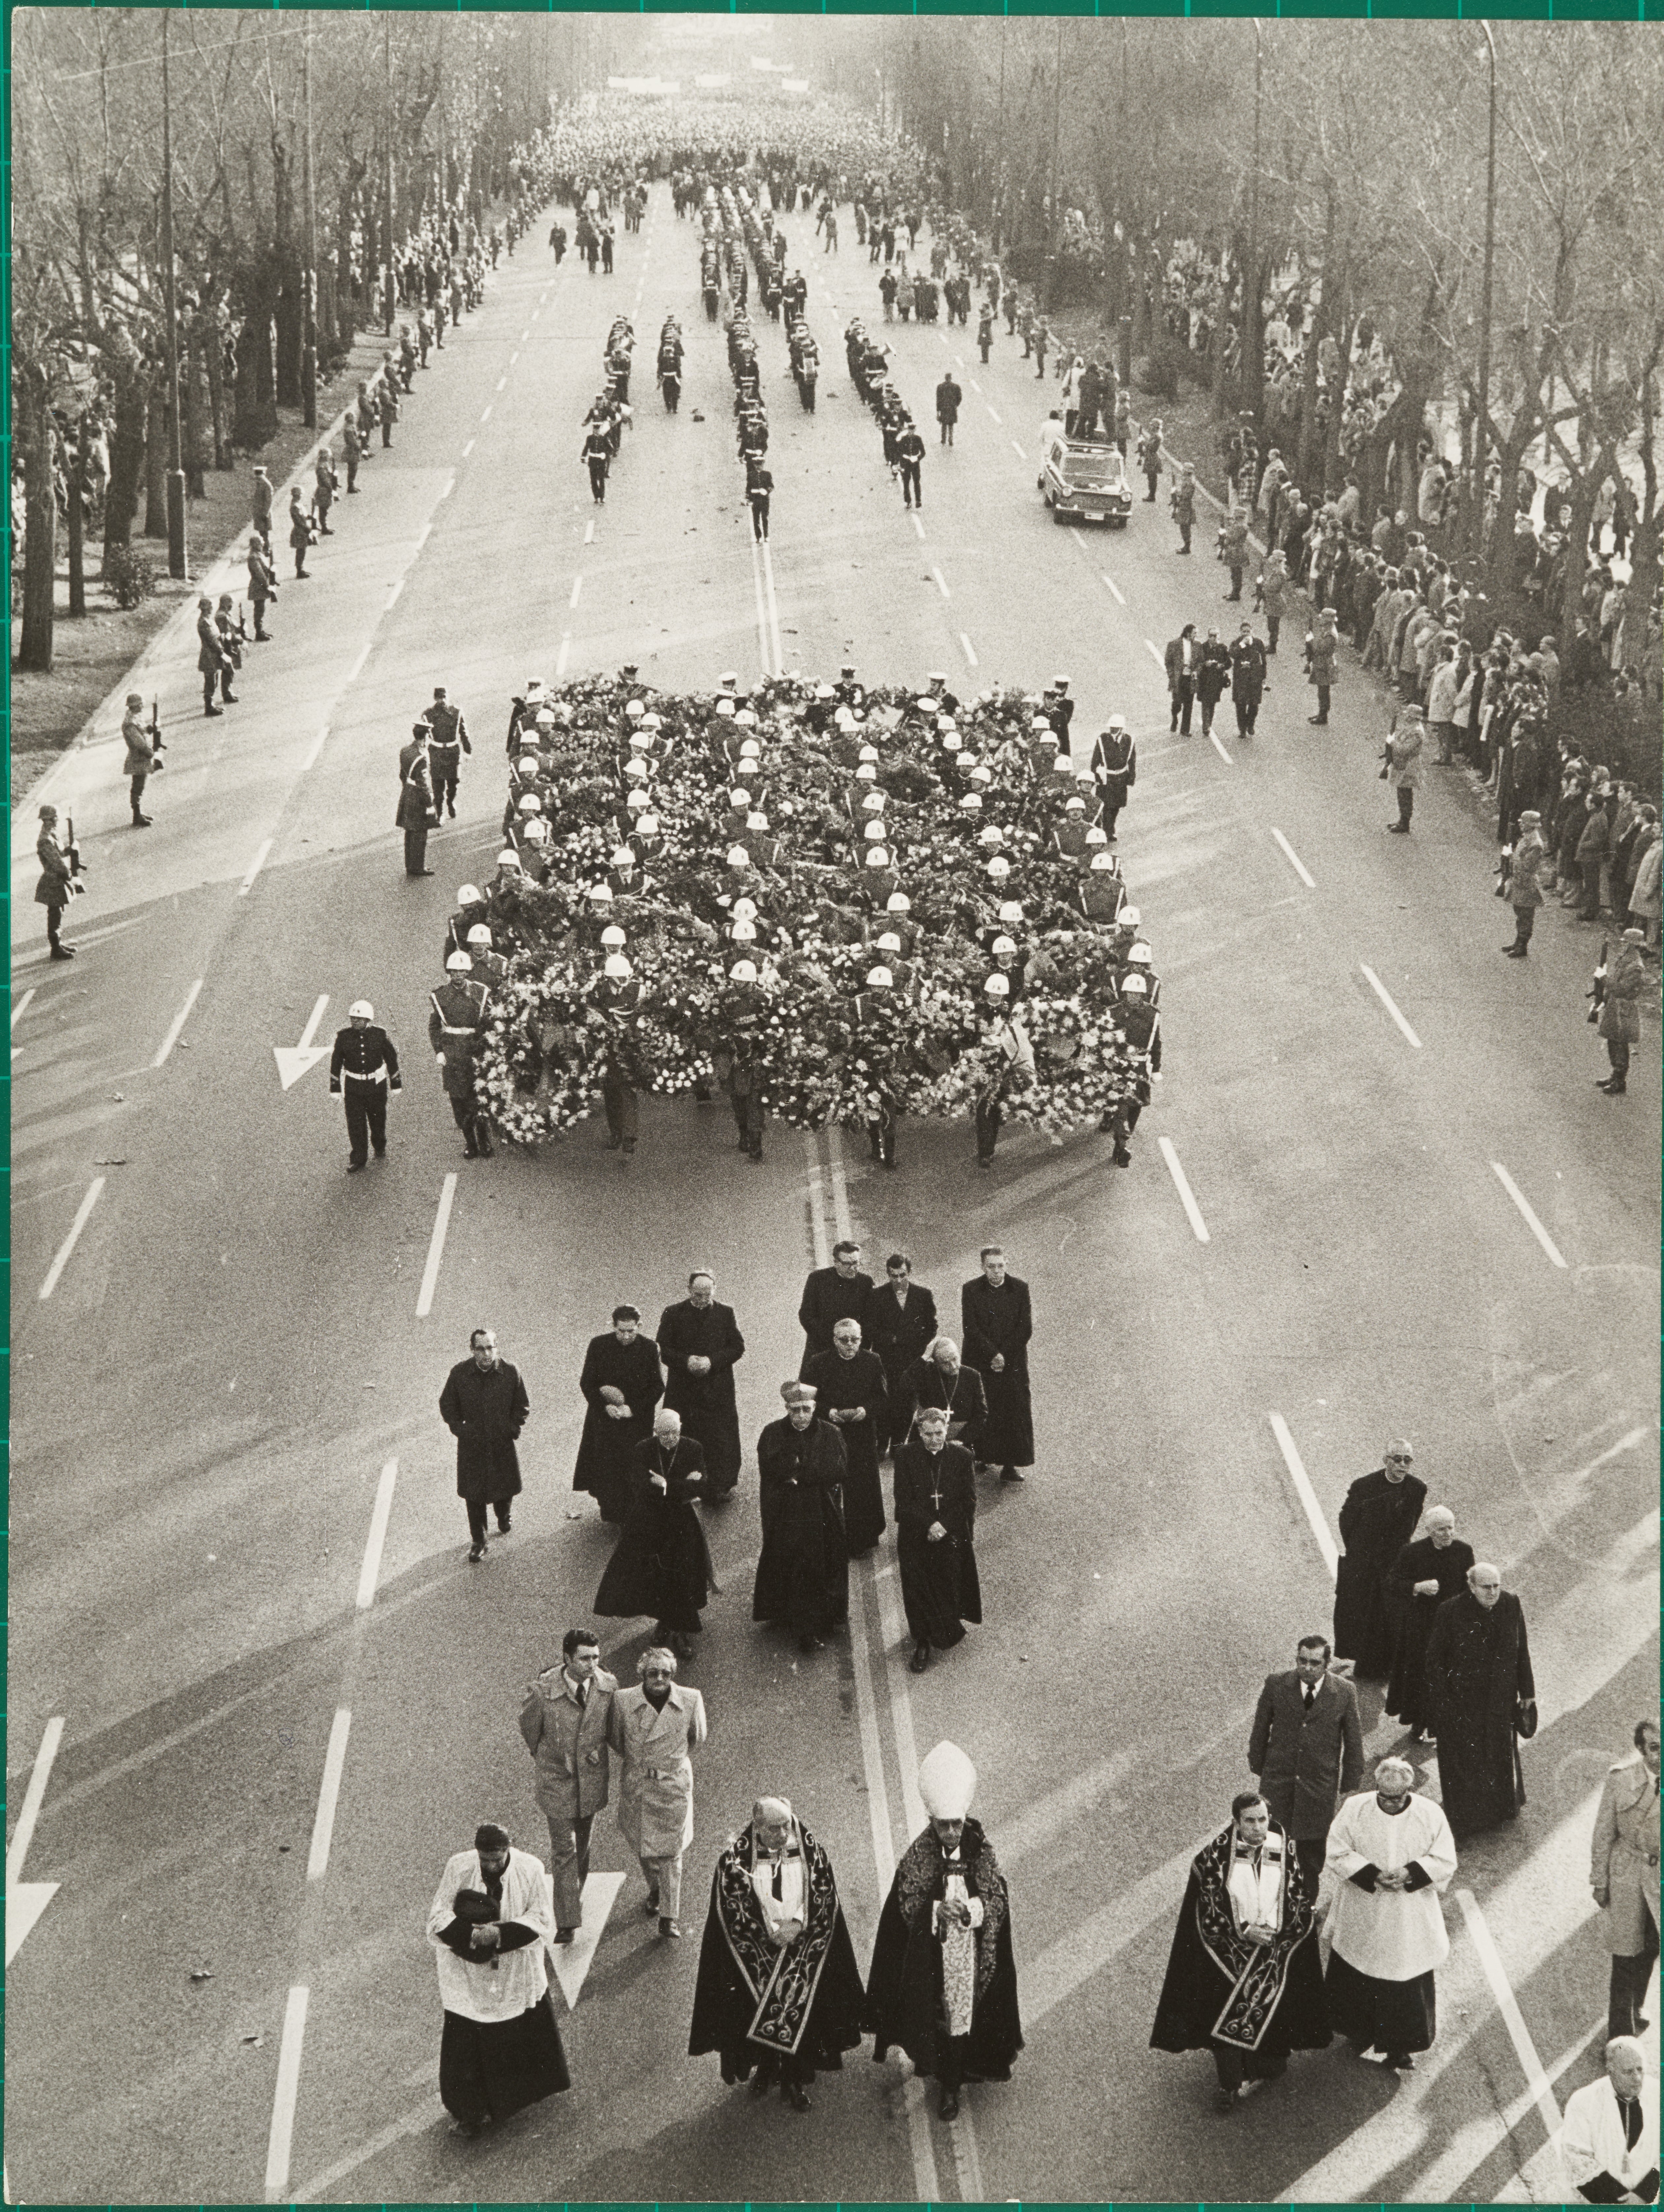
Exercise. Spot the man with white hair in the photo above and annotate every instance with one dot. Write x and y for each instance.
(1393, 1853)
(1482, 1697)
(939, 1378)
(779, 1989)
(944, 1979)
(1378, 1518)
(1609, 2137)
(1426, 1572)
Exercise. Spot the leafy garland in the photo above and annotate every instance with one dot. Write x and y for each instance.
(964, 831)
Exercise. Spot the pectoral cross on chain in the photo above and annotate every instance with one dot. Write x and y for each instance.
(936, 1497)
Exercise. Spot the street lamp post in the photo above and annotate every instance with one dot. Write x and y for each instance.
(1482, 413)
(176, 560)
(309, 286)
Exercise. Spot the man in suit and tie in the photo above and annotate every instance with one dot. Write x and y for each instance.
(566, 1720)
(1184, 661)
(1306, 1748)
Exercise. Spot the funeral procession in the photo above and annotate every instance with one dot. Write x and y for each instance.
(812, 1397)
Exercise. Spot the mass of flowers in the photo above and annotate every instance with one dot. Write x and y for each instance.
(849, 900)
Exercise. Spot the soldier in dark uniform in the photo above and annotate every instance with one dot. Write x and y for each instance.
(1059, 710)
(388, 409)
(56, 886)
(445, 750)
(1141, 1025)
(363, 1068)
(1115, 771)
(233, 637)
(1248, 679)
(140, 756)
(301, 531)
(353, 445)
(597, 453)
(909, 455)
(414, 813)
(453, 1031)
(471, 910)
(323, 498)
(261, 587)
(210, 654)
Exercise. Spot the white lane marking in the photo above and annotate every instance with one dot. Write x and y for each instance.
(1018, 451)
(22, 1005)
(1508, 2004)
(1156, 654)
(323, 1826)
(358, 664)
(577, 586)
(761, 609)
(23, 1835)
(959, 361)
(467, 449)
(1294, 860)
(1213, 740)
(918, 523)
(384, 1505)
(560, 658)
(1115, 589)
(435, 1248)
(501, 380)
(311, 760)
(512, 358)
(1192, 1211)
(527, 333)
(816, 1223)
(941, 583)
(977, 388)
(393, 597)
(943, 335)
(177, 1023)
(774, 608)
(280, 2140)
(589, 531)
(247, 883)
(450, 486)
(841, 1220)
(427, 529)
(1530, 1220)
(970, 650)
(994, 410)
(1303, 1490)
(486, 417)
(1386, 999)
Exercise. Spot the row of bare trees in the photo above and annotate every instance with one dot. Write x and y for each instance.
(408, 114)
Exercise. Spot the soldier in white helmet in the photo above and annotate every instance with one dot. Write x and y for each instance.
(455, 1026)
(363, 1069)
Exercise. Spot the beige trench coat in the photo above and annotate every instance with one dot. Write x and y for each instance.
(655, 1782)
(1623, 1855)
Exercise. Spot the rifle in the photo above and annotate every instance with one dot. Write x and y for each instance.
(153, 730)
(72, 854)
(1597, 989)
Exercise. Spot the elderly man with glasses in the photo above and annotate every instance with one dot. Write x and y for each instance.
(1377, 1521)
(1393, 1853)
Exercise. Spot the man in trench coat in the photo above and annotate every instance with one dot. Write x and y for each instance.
(1623, 1876)
(484, 1406)
(566, 1721)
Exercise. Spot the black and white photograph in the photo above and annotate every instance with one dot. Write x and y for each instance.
(834, 1272)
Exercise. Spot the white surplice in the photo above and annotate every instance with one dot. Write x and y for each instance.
(1392, 1935)
(509, 1982)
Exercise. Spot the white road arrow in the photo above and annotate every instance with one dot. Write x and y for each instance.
(293, 1063)
(571, 1961)
(26, 1900)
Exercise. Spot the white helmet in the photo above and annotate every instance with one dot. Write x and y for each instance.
(361, 1009)
(1134, 987)
(479, 934)
(460, 964)
(879, 976)
(613, 938)
(898, 902)
(617, 967)
(743, 971)
(470, 895)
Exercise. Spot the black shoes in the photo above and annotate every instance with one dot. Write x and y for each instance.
(795, 2095)
(142, 821)
(214, 710)
(920, 1660)
(1613, 1087)
(564, 1936)
(948, 2105)
(1013, 1475)
(1514, 951)
(60, 952)
(475, 1554)
(353, 1166)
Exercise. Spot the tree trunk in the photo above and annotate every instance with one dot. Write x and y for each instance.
(191, 442)
(79, 473)
(41, 520)
(126, 452)
(257, 402)
(1577, 539)
(215, 350)
(155, 459)
(1333, 474)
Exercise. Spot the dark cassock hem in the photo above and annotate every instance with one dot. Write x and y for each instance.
(940, 1587)
(1391, 2016)
(490, 2070)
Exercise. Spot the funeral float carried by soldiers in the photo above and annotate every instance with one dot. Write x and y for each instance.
(831, 904)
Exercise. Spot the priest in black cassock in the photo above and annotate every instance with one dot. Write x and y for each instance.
(803, 1573)
(998, 1321)
(779, 1989)
(1243, 1977)
(899, 1323)
(942, 1378)
(853, 1395)
(1424, 1574)
(831, 1295)
(943, 1980)
(935, 1529)
(699, 1344)
(1377, 1521)
(621, 1386)
(662, 1565)
(1478, 1684)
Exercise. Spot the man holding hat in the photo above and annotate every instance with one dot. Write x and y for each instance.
(1620, 1018)
(363, 1068)
(1522, 890)
(803, 1573)
(499, 2049)
(943, 1980)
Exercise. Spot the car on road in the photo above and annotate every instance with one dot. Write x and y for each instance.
(1083, 481)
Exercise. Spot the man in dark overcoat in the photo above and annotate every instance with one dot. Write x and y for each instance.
(1482, 1696)
(852, 1395)
(699, 1341)
(803, 1572)
(621, 1386)
(662, 1563)
(1305, 1748)
(484, 1406)
(899, 1321)
(831, 1295)
(998, 1319)
(1424, 1575)
(1377, 1520)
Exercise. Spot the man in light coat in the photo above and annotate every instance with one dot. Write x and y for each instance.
(1403, 770)
(1609, 2138)
(1623, 1876)
(653, 1729)
(566, 1721)
(1306, 1746)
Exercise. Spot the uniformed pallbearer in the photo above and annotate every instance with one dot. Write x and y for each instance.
(363, 1071)
(453, 1031)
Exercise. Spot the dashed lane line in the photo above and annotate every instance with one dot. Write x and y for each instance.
(437, 1248)
(467, 449)
(589, 531)
(1187, 1196)
(1018, 451)
(280, 2142)
(918, 525)
(1294, 860)
(560, 657)
(22, 1005)
(311, 760)
(323, 1826)
(941, 583)
(259, 861)
(577, 586)
(62, 1258)
(177, 1023)
(1115, 590)
(1531, 1221)
(1304, 1492)
(994, 410)
(1214, 740)
(501, 380)
(486, 417)
(1386, 999)
(970, 650)
(1155, 653)
(369, 1573)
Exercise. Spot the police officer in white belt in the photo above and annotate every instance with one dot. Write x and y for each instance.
(363, 1069)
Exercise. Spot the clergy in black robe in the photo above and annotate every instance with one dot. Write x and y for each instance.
(803, 1572)
(941, 1378)
(943, 1980)
(489, 1924)
(998, 1321)
(1248, 2002)
(662, 1565)
(697, 1330)
(935, 1529)
(621, 1386)
(1479, 1672)
(847, 1382)
(899, 1324)
(777, 1988)
(1377, 1521)
(1442, 1558)
(831, 1295)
